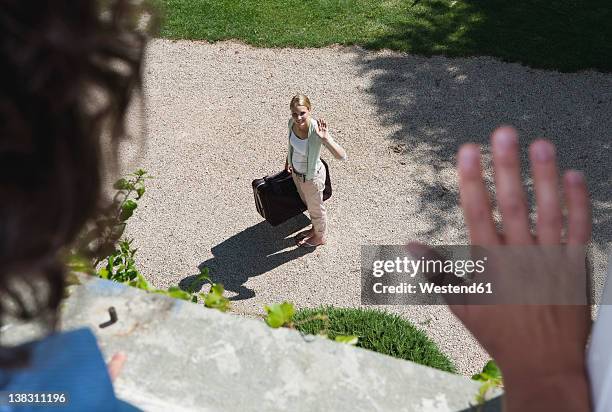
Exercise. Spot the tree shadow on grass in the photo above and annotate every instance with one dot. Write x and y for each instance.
(561, 35)
(252, 252)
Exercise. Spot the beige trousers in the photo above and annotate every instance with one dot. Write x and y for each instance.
(311, 192)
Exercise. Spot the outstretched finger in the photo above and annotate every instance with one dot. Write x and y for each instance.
(475, 197)
(509, 189)
(546, 183)
(116, 365)
(578, 208)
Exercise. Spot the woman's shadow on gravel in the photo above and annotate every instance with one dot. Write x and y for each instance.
(256, 250)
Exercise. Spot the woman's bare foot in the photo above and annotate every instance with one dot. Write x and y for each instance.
(304, 234)
(312, 241)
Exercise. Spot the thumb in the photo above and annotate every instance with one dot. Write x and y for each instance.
(115, 365)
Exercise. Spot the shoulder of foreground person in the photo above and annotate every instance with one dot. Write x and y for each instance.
(70, 363)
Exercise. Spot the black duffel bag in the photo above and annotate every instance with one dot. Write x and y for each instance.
(277, 199)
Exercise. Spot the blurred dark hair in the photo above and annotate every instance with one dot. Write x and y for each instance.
(68, 72)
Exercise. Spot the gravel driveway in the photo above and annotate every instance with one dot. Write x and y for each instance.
(216, 119)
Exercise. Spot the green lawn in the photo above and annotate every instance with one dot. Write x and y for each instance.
(378, 331)
(563, 35)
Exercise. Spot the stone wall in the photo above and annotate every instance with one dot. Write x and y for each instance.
(184, 357)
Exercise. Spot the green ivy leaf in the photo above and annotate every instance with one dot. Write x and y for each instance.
(103, 273)
(201, 278)
(217, 289)
(349, 340)
(178, 293)
(133, 274)
(279, 314)
(490, 377)
(492, 369)
(127, 209)
(121, 184)
(490, 372)
(215, 299)
(204, 275)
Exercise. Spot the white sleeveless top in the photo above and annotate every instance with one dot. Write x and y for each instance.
(300, 154)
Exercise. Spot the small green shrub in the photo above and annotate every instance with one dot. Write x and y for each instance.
(101, 246)
(378, 331)
(491, 378)
(280, 314)
(283, 315)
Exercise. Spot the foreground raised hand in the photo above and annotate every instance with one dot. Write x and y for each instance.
(540, 348)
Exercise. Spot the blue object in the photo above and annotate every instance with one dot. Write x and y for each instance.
(68, 363)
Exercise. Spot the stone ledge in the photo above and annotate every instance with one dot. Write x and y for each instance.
(182, 356)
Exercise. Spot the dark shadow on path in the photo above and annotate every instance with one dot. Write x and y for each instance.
(434, 105)
(254, 251)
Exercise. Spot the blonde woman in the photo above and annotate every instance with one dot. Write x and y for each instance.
(306, 135)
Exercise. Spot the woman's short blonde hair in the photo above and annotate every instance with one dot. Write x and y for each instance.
(300, 100)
